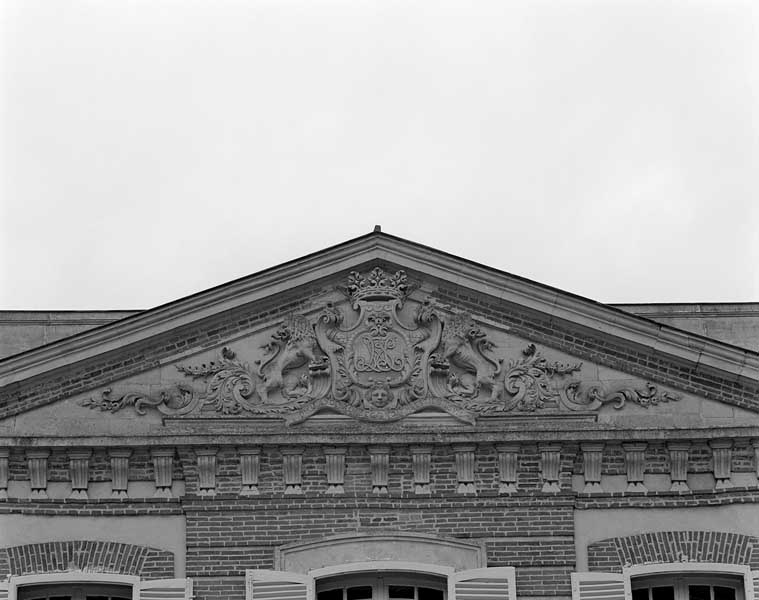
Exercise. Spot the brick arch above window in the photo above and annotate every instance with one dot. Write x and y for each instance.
(612, 554)
(87, 555)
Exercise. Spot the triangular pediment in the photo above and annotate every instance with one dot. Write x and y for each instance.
(380, 330)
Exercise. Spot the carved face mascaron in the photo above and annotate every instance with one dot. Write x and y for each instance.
(380, 368)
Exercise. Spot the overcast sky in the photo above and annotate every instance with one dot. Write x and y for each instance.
(152, 149)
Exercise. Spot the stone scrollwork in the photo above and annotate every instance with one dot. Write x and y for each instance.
(650, 396)
(378, 360)
(466, 365)
(178, 401)
(529, 380)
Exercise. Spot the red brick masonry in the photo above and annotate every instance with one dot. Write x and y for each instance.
(673, 546)
(108, 557)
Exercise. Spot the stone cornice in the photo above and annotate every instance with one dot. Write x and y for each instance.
(705, 353)
(253, 436)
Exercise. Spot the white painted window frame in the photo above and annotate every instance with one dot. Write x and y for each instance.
(381, 566)
(72, 577)
(694, 568)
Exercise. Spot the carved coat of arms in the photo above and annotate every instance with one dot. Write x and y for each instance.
(379, 362)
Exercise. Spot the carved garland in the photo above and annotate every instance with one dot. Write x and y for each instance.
(380, 368)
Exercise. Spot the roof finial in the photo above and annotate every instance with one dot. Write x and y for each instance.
(377, 229)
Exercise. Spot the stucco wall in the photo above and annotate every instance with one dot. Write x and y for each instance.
(22, 330)
(733, 323)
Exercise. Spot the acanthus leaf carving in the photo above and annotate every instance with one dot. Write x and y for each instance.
(229, 386)
(380, 363)
(529, 379)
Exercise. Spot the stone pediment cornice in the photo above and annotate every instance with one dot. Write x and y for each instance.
(701, 353)
(519, 431)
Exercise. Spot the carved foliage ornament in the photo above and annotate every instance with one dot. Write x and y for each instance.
(379, 365)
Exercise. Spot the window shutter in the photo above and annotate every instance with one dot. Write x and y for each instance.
(166, 589)
(3, 591)
(494, 583)
(263, 584)
(600, 586)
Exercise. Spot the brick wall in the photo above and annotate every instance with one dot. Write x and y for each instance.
(107, 557)
(536, 534)
(673, 546)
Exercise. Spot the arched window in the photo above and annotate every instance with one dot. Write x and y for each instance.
(82, 585)
(73, 591)
(667, 581)
(688, 586)
(382, 580)
(385, 586)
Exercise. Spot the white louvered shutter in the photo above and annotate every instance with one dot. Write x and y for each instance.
(3, 591)
(263, 584)
(600, 586)
(166, 589)
(494, 583)
(753, 594)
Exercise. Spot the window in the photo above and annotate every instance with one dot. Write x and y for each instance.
(668, 581)
(687, 587)
(75, 592)
(78, 585)
(384, 587)
(382, 580)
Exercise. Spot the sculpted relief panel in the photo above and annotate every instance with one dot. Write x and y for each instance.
(376, 361)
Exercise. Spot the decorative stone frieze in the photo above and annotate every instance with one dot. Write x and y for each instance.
(379, 457)
(592, 457)
(678, 465)
(635, 463)
(508, 459)
(335, 457)
(206, 470)
(249, 469)
(421, 459)
(722, 456)
(380, 360)
(465, 463)
(292, 462)
(163, 466)
(36, 460)
(4, 455)
(550, 463)
(119, 471)
(79, 472)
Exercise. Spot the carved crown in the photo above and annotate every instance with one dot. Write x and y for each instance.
(377, 285)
